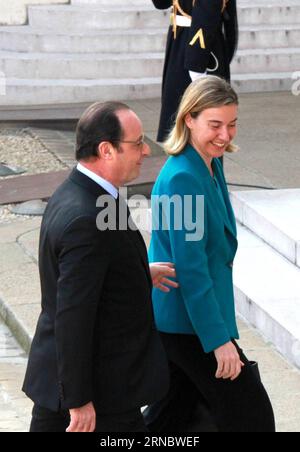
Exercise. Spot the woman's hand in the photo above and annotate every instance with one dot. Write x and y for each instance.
(229, 363)
(160, 273)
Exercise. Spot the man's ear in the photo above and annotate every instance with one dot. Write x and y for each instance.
(105, 150)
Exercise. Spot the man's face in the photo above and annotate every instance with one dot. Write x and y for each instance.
(131, 151)
(213, 130)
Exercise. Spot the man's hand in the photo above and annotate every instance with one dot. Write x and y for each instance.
(83, 419)
(160, 273)
(229, 363)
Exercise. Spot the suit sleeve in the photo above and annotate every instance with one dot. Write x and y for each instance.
(206, 20)
(162, 4)
(83, 262)
(192, 269)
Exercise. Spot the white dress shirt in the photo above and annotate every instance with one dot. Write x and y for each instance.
(99, 180)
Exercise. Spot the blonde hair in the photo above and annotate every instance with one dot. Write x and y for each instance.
(204, 93)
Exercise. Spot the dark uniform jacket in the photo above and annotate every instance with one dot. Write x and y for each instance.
(208, 45)
(95, 339)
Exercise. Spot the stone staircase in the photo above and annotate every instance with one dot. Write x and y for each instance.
(103, 49)
(267, 267)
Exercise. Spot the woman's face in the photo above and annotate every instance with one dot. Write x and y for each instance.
(213, 130)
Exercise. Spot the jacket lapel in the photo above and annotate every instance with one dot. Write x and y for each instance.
(199, 164)
(228, 214)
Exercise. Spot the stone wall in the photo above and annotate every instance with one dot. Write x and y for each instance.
(14, 12)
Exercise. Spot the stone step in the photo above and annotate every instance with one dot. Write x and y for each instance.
(108, 2)
(269, 12)
(266, 60)
(269, 36)
(28, 92)
(72, 17)
(267, 293)
(274, 216)
(257, 3)
(138, 31)
(263, 82)
(127, 65)
(28, 39)
(81, 66)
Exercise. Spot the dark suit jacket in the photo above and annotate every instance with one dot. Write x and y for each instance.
(95, 339)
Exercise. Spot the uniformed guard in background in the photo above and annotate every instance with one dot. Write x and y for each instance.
(202, 39)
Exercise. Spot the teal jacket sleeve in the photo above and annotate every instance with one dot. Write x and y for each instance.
(191, 261)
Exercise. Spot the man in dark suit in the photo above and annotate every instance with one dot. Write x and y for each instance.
(96, 357)
(202, 39)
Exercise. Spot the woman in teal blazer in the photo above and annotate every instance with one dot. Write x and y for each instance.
(194, 227)
(204, 304)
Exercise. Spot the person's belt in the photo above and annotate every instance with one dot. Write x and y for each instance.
(181, 21)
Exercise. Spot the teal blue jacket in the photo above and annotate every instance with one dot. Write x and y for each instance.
(204, 303)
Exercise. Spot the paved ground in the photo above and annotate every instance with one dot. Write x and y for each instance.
(268, 136)
(20, 306)
(269, 158)
(15, 408)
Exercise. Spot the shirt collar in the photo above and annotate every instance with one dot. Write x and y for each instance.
(99, 180)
